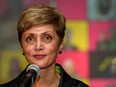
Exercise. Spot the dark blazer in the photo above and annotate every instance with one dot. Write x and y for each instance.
(66, 80)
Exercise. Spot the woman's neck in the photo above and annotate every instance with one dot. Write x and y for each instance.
(47, 78)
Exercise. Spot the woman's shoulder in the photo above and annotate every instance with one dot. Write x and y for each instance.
(68, 81)
(78, 83)
(9, 84)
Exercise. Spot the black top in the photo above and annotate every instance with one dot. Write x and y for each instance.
(65, 81)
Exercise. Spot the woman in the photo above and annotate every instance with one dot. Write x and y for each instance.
(41, 31)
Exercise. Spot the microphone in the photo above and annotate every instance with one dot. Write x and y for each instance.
(32, 72)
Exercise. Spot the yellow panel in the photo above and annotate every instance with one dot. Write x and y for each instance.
(79, 34)
(12, 63)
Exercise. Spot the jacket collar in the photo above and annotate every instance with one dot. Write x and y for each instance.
(64, 77)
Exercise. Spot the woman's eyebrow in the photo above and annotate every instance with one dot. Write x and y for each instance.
(48, 32)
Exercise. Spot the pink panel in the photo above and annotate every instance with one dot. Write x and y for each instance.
(2, 7)
(103, 83)
(28, 3)
(72, 9)
(95, 29)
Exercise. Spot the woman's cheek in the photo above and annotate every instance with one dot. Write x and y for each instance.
(27, 49)
(53, 48)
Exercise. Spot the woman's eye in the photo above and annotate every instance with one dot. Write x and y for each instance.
(47, 38)
(30, 39)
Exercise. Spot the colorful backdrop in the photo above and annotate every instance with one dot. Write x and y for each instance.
(89, 53)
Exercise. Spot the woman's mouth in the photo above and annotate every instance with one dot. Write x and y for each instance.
(39, 56)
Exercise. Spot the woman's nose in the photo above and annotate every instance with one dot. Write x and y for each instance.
(38, 45)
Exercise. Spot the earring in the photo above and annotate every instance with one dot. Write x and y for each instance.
(60, 52)
(23, 53)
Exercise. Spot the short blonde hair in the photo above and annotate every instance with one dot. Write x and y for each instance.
(41, 15)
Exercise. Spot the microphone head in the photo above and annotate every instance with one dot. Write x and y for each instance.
(34, 67)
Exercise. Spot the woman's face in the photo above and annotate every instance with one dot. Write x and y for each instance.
(40, 44)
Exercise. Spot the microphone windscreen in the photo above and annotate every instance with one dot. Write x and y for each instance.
(34, 67)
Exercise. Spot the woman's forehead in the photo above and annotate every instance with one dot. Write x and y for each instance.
(41, 29)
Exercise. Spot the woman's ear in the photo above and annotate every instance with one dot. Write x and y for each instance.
(61, 46)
